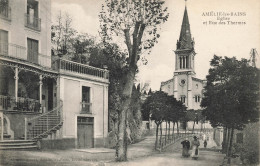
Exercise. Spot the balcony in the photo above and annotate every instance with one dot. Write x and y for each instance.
(79, 69)
(20, 52)
(32, 22)
(26, 105)
(86, 108)
(5, 12)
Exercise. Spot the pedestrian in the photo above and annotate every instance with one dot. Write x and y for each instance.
(195, 148)
(205, 144)
(185, 147)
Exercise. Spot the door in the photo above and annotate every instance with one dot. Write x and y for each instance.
(3, 42)
(85, 132)
(32, 50)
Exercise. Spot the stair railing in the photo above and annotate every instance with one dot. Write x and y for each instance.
(43, 123)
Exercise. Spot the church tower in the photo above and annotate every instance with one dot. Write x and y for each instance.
(184, 63)
(184, 59)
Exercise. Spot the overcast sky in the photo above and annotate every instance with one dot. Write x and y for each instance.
(222, 40)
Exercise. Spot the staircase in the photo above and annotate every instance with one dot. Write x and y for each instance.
(44, 125)
(36, 128)
(18, 144)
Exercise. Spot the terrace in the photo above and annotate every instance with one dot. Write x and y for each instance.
(21, 53)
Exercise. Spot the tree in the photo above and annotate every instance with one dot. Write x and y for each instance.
(62, 34)
(230, 97)
(155, 106)
(130, 21)
(113, 58)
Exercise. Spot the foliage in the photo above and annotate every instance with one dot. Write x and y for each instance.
(113, 58)
(62, 34)
(248, 156)
(68, 41)
(230, 97)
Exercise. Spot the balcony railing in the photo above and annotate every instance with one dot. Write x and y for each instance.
(32, 22)
(5, 12)
(20, 52)
(81, 68)
(86, 108)
(8, 103)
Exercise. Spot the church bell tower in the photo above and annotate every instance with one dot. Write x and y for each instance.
(184, 59)
(184, 63)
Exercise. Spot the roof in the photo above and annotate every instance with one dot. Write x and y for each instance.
(185, 41)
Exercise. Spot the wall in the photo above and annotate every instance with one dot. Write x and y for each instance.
(18, 33)
(17, 122)
(71, 94)
(196, 90)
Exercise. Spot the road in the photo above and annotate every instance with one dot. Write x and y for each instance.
(207, 158)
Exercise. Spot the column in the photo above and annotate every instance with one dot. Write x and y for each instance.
(2, 125)
(189, 98)
(16, 83)
(40, 89)
(175, 87)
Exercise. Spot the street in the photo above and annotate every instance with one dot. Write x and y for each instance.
(207, 158)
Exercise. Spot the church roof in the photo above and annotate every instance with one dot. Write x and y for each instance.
(185, 41)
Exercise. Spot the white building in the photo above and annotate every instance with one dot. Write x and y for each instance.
(62, 103)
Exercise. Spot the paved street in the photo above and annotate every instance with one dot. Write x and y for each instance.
(207, 158)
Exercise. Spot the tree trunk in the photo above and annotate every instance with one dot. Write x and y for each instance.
(177, 128)
(166, 132)
(169, 132)
(230, 145)
(121, 148)
(156, 140)
(161, 135)
(228, 141)
(224, 143)
(173, 130)
(193, 126)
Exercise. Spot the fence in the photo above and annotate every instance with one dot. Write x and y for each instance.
(20, 52)
(166, 140)
(81, 68)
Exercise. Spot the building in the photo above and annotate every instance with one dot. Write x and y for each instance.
(184, 85)
(61, 103)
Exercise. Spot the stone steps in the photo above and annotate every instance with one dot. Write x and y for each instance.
(18, 144)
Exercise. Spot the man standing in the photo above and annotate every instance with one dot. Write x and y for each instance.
(186, 147)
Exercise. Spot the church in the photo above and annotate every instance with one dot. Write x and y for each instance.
(184, 85)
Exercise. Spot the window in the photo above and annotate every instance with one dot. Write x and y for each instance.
(86, 104)
(32, 20)
(183, 99)
(3, 42)
(197, 98)
(32, 50)
(5, 10)
(239, 138)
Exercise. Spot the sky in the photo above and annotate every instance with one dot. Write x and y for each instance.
(220, 39)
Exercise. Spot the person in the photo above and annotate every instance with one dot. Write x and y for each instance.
(205, 143)
(186, 147)
(195, 148)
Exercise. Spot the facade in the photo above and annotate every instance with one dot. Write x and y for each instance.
(184, 85)
(61, 103)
